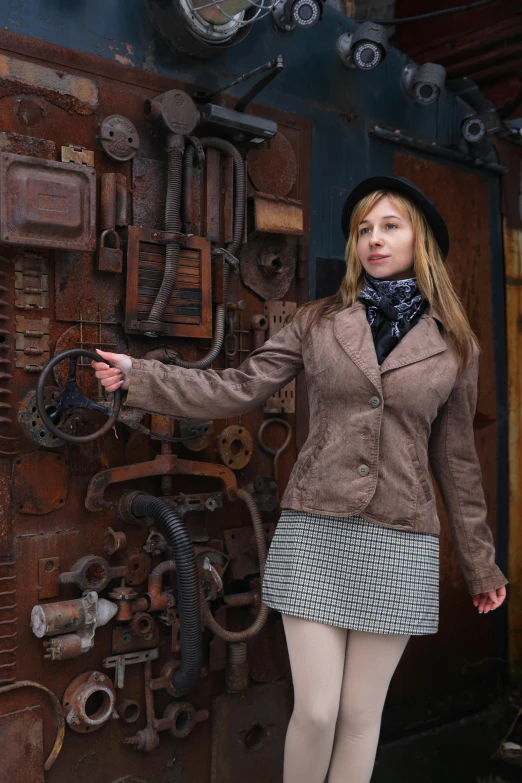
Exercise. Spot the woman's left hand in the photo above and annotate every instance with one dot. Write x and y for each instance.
(485, 602)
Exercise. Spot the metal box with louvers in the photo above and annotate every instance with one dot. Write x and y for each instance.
(189, 312)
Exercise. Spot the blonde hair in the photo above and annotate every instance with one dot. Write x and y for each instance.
(432, 277)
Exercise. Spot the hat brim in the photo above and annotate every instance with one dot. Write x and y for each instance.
(405, 188)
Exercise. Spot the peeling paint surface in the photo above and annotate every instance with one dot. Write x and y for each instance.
(75, 92)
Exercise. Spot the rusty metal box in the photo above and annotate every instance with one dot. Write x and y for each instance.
(44, 203)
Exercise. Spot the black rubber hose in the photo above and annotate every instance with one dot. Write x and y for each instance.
(173, 224)
(237, 237)
(173, 529)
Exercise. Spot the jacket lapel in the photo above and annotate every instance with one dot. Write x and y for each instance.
(353, 332)
(423, 341)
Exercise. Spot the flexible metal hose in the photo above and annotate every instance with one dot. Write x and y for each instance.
(257, 625)
(172, 224)
(162, 568)
(177, 537)
(237, 236)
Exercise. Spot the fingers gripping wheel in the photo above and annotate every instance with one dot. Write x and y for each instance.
(73, 397)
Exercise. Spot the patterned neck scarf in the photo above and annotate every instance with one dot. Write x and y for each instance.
(393, 307)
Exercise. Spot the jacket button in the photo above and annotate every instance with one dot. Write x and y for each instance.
(375, 401)
(363, 470)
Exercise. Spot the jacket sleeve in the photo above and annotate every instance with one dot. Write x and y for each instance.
(218, 394)
(456, 468)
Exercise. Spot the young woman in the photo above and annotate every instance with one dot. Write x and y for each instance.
(391, 367)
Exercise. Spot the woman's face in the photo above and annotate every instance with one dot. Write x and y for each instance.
(385, 242)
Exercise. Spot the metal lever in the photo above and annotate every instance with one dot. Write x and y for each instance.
(272, 69)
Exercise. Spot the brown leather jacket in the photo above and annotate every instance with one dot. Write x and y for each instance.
(372, 428)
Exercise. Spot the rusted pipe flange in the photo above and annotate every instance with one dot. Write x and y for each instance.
(114, 540)
(129, 711)
(182, 717)
(88, 573)
(142, 624)
(235, 446)
(88, 702)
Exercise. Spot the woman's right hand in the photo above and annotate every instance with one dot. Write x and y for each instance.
(117, 376)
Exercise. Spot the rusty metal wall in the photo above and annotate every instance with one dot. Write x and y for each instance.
(56, 296)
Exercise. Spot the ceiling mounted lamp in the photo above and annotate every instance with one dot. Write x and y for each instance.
(202, 28)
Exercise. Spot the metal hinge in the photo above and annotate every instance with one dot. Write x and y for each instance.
(32, 340)
(31, 282)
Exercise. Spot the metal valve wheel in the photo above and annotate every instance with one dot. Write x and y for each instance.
(73, 397)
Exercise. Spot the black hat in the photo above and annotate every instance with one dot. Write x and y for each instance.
(405, 188)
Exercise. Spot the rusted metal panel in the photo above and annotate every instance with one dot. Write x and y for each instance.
(149, 187)
(27, 145)
(48, 573)
(69, 92)
(469, 264)
(277, 215)
(21, 740)
(46, 203)
(32, 495)
(513, 272)
(82, 294)
(273, 167)
(248, 732)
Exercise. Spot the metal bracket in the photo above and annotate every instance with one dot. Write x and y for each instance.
(119, 662)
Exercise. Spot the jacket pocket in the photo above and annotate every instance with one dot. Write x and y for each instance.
(303, 472)
(423, 480)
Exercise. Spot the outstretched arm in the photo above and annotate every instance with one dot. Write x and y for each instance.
(207, 394)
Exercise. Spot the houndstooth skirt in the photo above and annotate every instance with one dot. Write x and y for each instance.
(351, 573)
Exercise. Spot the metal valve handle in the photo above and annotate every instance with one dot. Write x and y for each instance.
(73, 397)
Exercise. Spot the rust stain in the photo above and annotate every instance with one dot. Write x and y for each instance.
(27, 145)
(71, 93)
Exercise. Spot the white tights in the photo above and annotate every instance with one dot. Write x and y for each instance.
(340, 679)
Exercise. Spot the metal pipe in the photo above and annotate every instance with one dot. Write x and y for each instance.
(233, 248)
(172, 527)
(259, 622)
(431, 148)
(176, 146)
